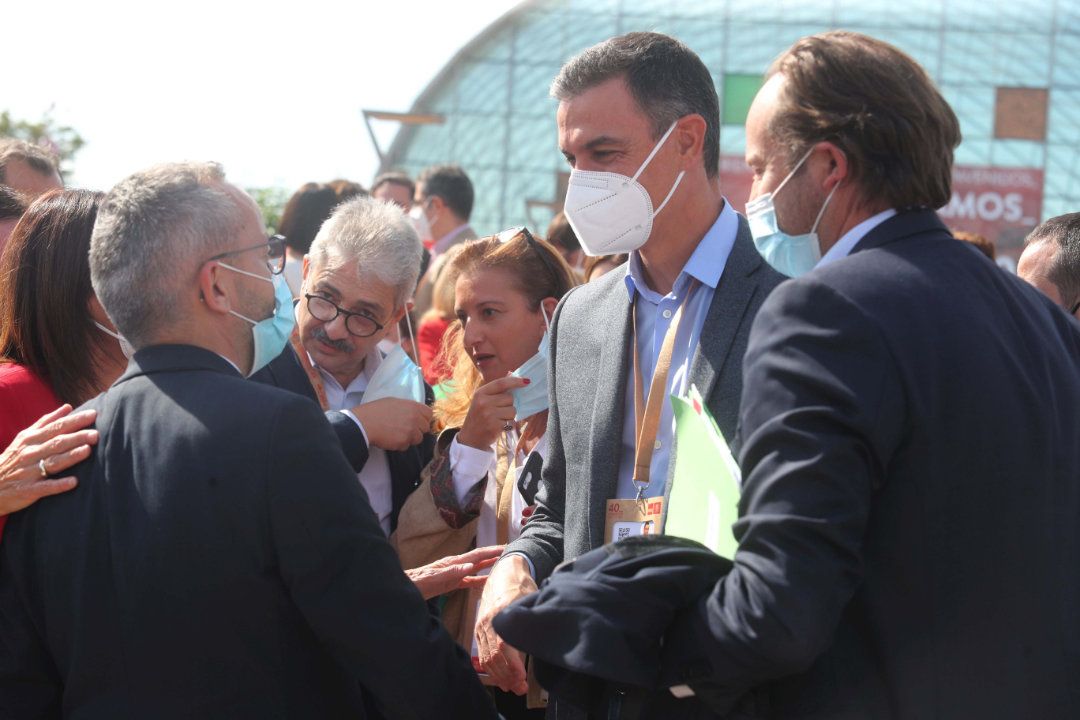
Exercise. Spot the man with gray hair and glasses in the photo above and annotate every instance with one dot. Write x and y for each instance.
(218, 557)
(357, 280)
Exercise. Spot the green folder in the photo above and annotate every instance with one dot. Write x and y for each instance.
(704, 501)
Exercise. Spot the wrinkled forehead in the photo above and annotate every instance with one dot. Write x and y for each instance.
(339, 275)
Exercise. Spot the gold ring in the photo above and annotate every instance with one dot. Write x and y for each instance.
(41, 467)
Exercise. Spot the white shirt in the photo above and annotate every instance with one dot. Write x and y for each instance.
(375, 477)
(851, 238)
(469, 466)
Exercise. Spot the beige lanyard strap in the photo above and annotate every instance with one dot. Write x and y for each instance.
(647, 411)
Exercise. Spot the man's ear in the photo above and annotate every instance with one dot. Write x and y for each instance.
(837, 168)
(689, 137)
(305, 266)
(549, 304)
(398, 314)
(211, 290)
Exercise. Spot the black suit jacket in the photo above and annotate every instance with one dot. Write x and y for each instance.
(285, 372)
(910, 518)
(218, 559)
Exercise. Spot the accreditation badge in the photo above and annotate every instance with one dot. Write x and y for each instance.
(630, 517)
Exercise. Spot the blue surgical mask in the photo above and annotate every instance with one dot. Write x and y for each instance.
(397, 376)
(533, 398)
(270, 336)
(792, 255)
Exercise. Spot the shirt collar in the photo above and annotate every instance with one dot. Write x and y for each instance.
(230, 362)
(706, 264)
(358, 383)
(851, 238)
(448, 239)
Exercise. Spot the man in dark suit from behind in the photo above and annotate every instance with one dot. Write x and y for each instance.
(908, 535)
(218, 558)
(357, 280)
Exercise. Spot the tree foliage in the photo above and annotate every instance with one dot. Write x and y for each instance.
(271, 202)
(62, 140)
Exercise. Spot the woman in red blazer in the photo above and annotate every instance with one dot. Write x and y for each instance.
(57, 345)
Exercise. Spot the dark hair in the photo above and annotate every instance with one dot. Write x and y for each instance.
(346, 189)
(666, 78)
(592, 262)
(305, 213)
(450, 183)
(45, 321)
(11, 204)
(561, 235)
(878, 106)
(395, 178)
(36, 157)
(1064, 271)
(986, 247)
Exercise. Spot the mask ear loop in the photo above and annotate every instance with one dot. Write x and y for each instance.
(648, 160)
(107, 331)
(656, 149)
(547, 323)
(792, 173)
(822, 211)
(408, 326)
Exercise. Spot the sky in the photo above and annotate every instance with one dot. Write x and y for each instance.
(272, 90)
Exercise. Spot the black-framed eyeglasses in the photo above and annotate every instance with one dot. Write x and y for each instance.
(510, 233)
(1075, 308)
(275, 253)
(357, 323)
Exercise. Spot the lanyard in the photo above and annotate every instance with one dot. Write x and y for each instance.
(647, 411)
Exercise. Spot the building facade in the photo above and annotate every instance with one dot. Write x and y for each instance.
(1007, 67)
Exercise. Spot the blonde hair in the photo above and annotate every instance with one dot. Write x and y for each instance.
(538, 272)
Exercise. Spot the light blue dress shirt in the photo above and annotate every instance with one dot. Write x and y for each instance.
(654, 315)
(851, 238)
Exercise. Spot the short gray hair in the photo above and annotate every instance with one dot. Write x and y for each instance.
(153, 231)
(666, 78)
(378, 237)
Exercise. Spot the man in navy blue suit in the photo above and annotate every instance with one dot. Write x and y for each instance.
(218, 558)
(909, 535)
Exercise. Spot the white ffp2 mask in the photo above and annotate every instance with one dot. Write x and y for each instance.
(612, 213)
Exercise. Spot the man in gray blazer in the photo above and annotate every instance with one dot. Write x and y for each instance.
(639, 124)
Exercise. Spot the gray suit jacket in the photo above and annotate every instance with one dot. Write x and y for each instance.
(590, 347)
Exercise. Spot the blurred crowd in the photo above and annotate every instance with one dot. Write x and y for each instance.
(371, 465)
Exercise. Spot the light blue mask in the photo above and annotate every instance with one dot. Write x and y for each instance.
(533, 398)
(397, 376)
(792, 255)
(272, 334)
